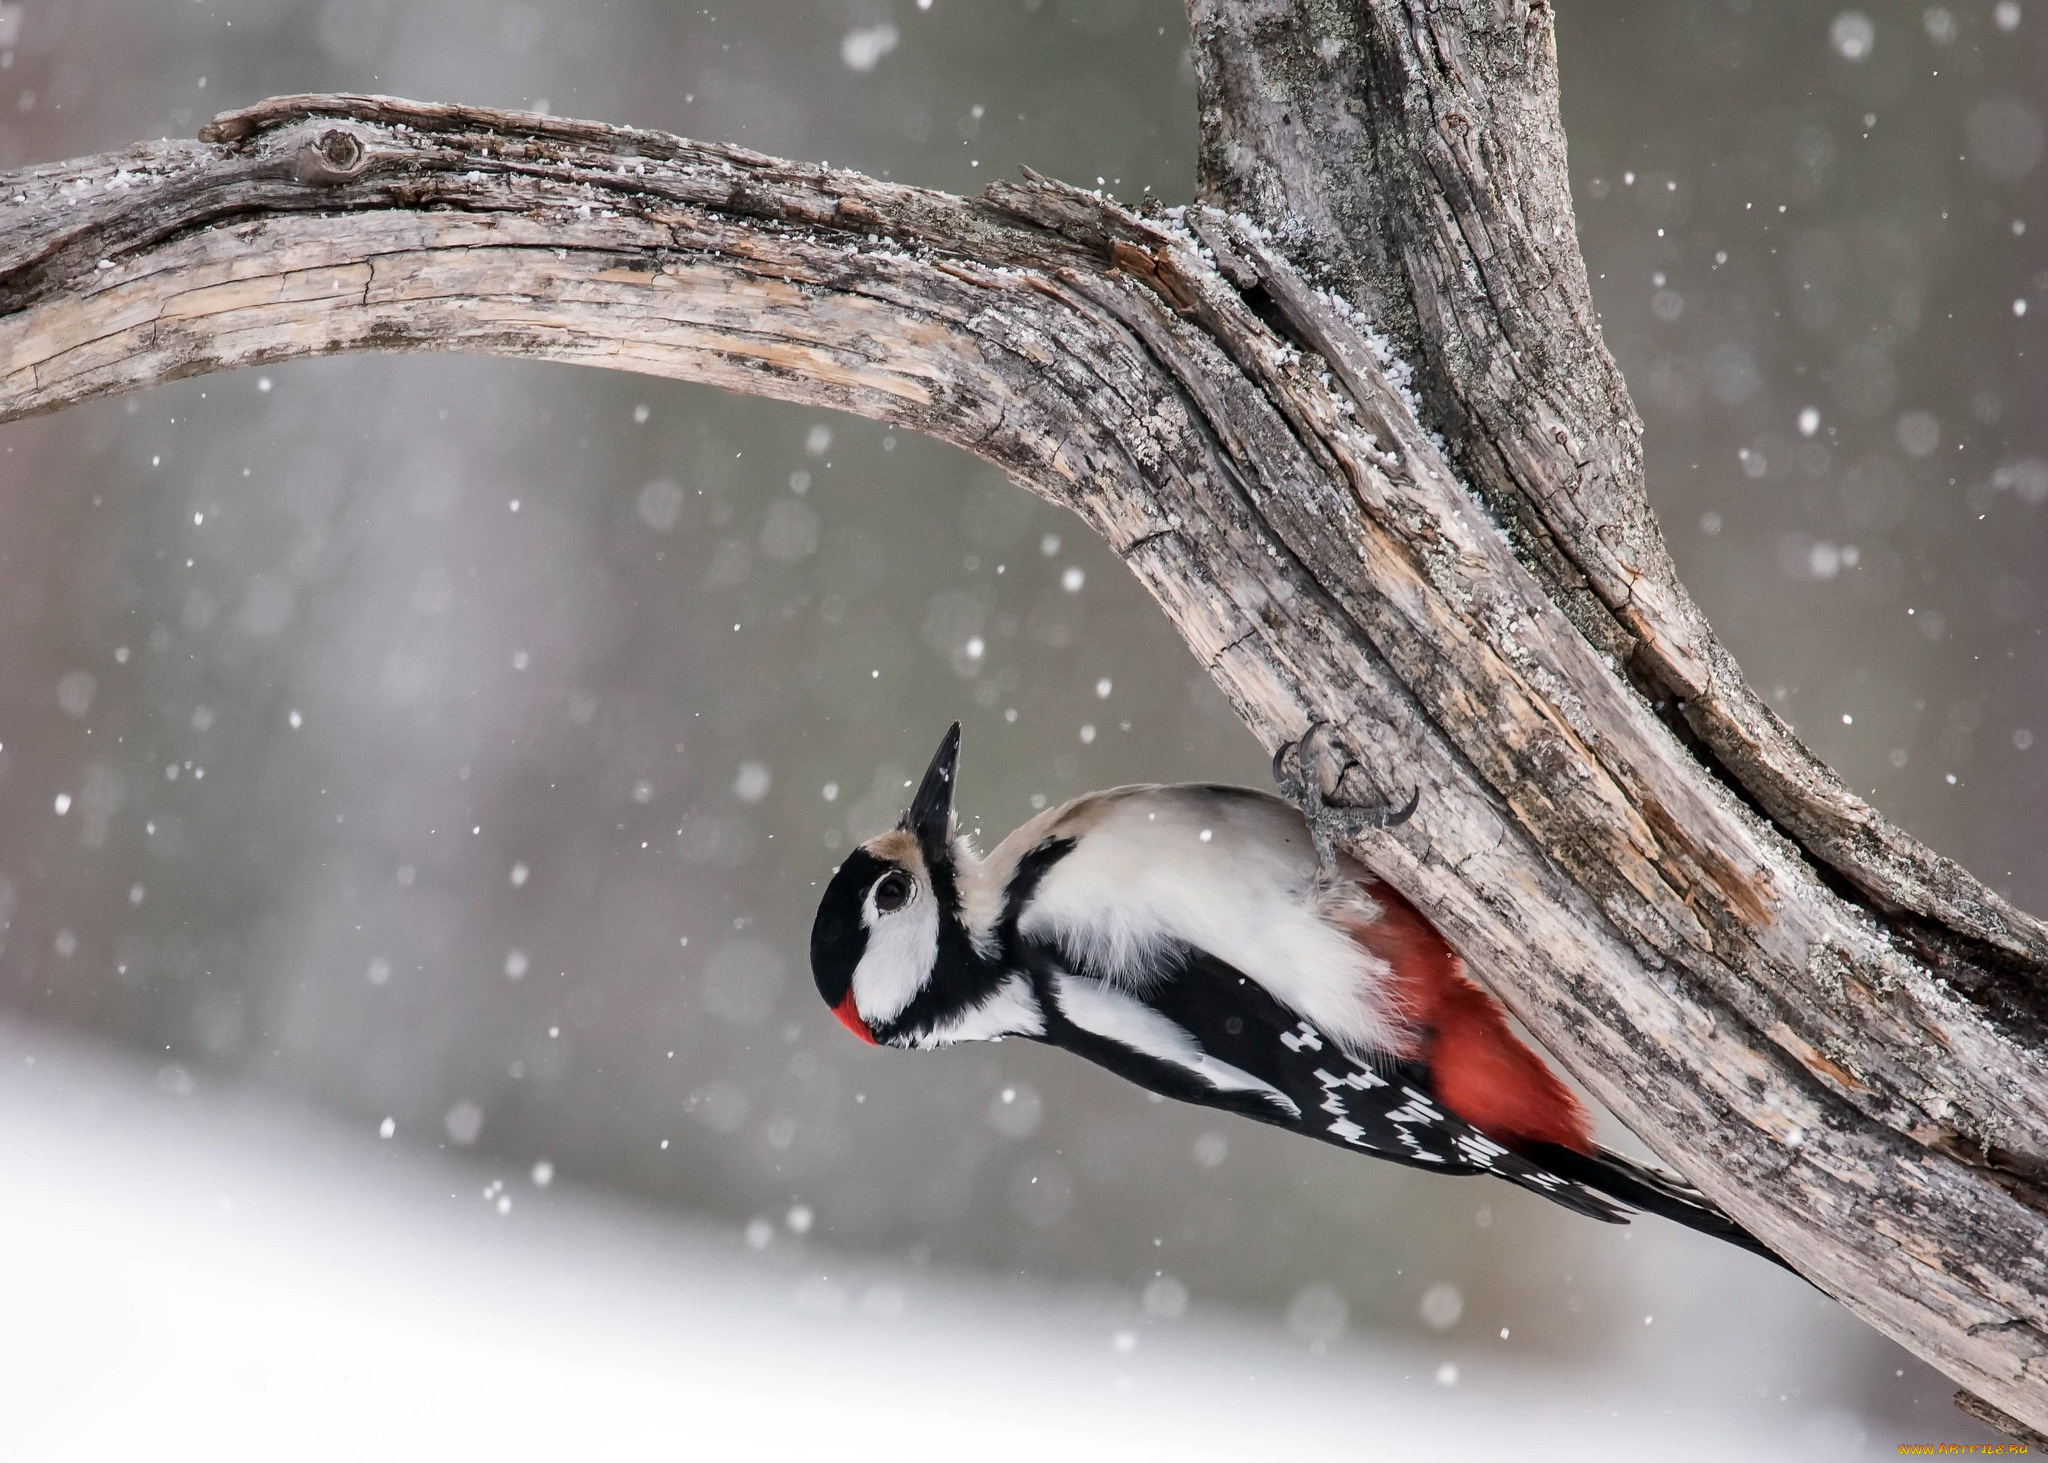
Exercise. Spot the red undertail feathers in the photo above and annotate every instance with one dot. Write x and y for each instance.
(1482, 1071)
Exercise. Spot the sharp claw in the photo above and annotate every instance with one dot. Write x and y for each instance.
(1289, 783)
(1347, 821)
(1397, 818)
(1302, 784)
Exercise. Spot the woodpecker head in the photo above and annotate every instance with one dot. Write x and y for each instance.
(890, 918)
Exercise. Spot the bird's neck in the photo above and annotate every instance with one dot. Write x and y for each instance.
(978, 993)
(972, 899)
(970, 912)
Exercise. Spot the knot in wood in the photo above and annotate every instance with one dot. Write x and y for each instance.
(335, 156)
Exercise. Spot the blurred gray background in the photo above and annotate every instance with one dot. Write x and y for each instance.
(461, 744)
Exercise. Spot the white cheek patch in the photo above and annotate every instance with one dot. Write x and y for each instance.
(1129, 1022)
(903, 948)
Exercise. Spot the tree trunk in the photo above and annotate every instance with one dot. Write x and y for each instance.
(1833, 1032)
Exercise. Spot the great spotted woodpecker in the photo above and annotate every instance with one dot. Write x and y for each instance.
(1208, 943)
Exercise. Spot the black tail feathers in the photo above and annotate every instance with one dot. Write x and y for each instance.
(1651, 1190)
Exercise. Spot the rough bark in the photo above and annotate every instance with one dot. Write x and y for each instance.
(1409, 153)
(2004, 1421)
(1863, 1088)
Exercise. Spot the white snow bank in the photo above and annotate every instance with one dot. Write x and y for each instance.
(195, 1277)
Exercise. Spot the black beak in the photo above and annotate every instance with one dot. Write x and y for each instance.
(931, 812)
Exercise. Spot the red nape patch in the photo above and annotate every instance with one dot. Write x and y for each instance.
(850, 1019)
(1482, 1071)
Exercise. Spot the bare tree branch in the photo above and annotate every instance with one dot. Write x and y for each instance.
(1411, 154)
(1865, 1091)
(2004, 1421)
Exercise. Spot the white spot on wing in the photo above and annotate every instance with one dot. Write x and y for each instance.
(1333, 1104)
(1479, 1149)
(1304, 1035)
(1417, 1109)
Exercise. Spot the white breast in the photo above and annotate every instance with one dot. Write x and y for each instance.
(1226, 871)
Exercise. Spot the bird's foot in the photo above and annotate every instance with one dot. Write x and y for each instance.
(1303, 769)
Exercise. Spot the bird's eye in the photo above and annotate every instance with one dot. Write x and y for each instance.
(893, 891)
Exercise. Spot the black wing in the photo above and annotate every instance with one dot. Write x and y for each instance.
(1385, 1107)
(1653, 1191)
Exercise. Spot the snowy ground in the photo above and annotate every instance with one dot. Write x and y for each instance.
(212, 1278)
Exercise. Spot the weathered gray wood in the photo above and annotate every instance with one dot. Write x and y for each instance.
(1410, 153)
(1236, 434)
(2004, 1421)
